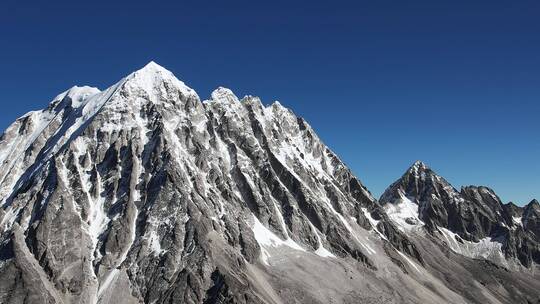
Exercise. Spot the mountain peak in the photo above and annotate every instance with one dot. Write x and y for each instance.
(418, 183)
(152, 69)
(152, 66)
(534, 203)
(418, 166)
(419, 163)
(152, 76)
(148, 190)
(419, 170)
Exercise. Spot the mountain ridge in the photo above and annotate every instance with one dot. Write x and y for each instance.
(474, 213)
(145, 193)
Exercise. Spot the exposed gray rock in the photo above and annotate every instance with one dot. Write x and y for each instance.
(531, 218)
(475, 215)
(144, 194)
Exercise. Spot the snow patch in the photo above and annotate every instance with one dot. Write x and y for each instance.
(486, 248)
(373, 222)
(155, 246)
(267, 239)
(321, 251)
(404, 213)
(98, 220)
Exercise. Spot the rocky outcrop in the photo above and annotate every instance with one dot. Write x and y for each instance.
(530, 218)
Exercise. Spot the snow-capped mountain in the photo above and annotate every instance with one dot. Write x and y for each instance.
(143, 193)
(473, 221)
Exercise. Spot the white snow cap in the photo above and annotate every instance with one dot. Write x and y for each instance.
(152, 75)
(153, 67)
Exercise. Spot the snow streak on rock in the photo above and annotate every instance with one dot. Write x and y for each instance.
(143, 193)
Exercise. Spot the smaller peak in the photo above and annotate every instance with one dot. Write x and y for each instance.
(76, 95)
(534, 202)
(532, 209)
(277, 104)
(222, 94)
(277, 107)
(250, 100)
(221, 89)
(84, 90)
(75, 91)
(475, 188)
(511, 204)
(475, 191)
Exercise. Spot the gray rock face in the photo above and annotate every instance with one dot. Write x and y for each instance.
(531, 217)
(473, 216)
(143, 193)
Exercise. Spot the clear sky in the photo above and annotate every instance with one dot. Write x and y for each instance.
(384, 83)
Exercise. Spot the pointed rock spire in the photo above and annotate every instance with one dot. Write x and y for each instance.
(419, 183)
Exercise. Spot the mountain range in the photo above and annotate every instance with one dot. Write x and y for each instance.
(144, 193)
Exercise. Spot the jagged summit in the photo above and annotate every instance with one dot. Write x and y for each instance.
(144, 174)
(150, 70)
(152, 77)
(419, 168)
(141, 193)
(418, 183)
(418, 165)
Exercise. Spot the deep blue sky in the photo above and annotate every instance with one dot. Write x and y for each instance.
(384, 83)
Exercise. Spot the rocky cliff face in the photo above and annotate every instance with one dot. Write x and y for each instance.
(143, 193)
(473, 221)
